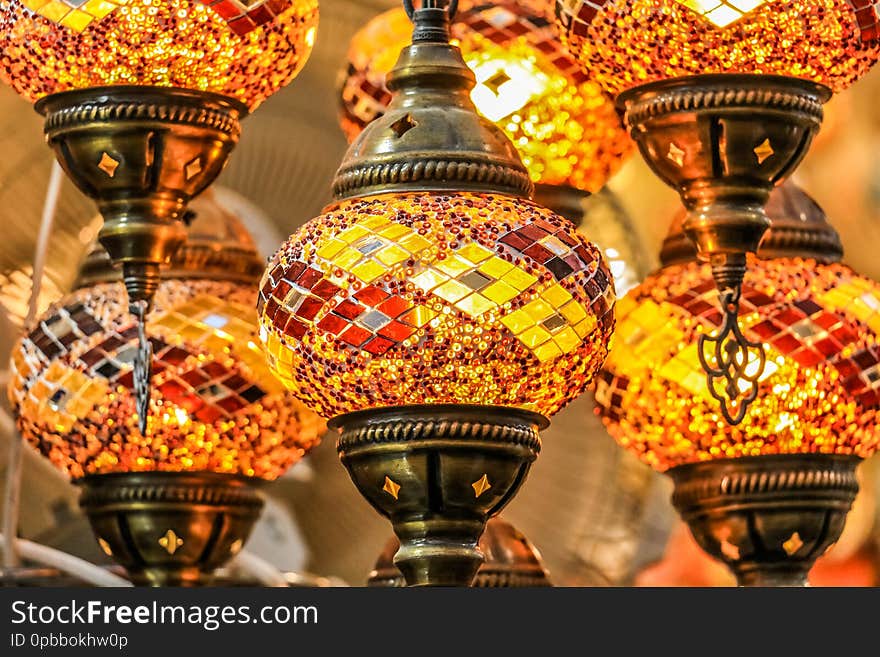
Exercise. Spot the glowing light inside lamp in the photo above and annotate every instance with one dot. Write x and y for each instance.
(820, 391)
(431, 298)
(244, 50)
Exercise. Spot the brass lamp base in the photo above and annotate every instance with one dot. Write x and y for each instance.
(511, 561)
(439, 472)
(170, 528)
(141, 153)
(768, 518)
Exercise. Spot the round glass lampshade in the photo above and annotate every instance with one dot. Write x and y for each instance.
(426, 298)
(624, 43)
(214, 407)
(245, 50)
(820, 389)
(563, 125)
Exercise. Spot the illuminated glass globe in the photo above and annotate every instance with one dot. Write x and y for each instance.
(820, 389)
(215, 406)
(245, 50)
(563, 125)
(426, 298)
(624, 43)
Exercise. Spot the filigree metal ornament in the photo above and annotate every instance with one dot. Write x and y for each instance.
(733, 364)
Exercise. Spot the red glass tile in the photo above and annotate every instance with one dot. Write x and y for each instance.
(868, 399)
(844, 334)
(865, 359)
(809, 306)
(260, 15)
(757, 298)
(208, 414)
(325, 289)
(332, 323)
(560, 269)
(378, 346)
(194, 378)
(242, 26)
(371, 295)
(308, 278)
(232, 403)
(538, 253)
(532, 232)
(291, 273)
(127, 380)
(846, 367)
(789, 317)
(309, 308)
(698, 306)
(173, 391)
(280, 291)
(191, 403)
(828, 347)
(546, 225)
(807, 357)
(827, 320)
(786, 343)
(349, 309)
(515, 241)
(853, 383)
(355, 336)
(766, 329)
(271, 308)
(395, 306)
(226, 9)
(214, 370)
(235, 382)
(295, 328)
(396, 331)
(175, 356)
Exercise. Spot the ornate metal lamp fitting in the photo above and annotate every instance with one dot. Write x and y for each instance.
(723, 142)
(141, 153)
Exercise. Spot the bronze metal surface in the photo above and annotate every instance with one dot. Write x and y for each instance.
(171, 528)
(768, 518)
(511, 561)
(438, 473)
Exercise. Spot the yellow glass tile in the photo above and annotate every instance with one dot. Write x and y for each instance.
(34, 5)
(99, 8)
(331, 248)
(452, 291)
(474, 252)
(874, 323)
(414, 243)
(519, 279)
(217, 343)
(77, 20)
(347, 258)
(193, 332)
(429, 279)
(394, 231)
(495, 267)
(368, 271)
(391, 255)
(55, 10)
(573, 312)
(651, 316)
(454, 266)
(286, 356)
(556, 295)
(500, 292)
(274, 346)
(517, 321)
(353, 234)
(418, 316)
(475, 305)
(585, 327)
(534, 336)
(41, 390)
(567, 339)
(78, 407)
(547, 351)
(538, 310)
(374, 223)
(860, 309)
(56, 372)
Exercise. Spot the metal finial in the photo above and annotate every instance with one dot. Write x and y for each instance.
(143, 365)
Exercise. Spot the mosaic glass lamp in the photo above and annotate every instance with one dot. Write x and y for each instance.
(173, 504)
(565, 127)
(511, 561)
(769, 495)
(723, 98)
(437, 315)
(142, 101)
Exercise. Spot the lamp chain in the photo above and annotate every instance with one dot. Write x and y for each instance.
(733, 364)
(143, 363)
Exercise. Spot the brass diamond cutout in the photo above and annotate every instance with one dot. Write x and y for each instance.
(675, 154)
(763, 151)
(722, 13)
(481, 485)
(403, 125)
(793, 544)
(108, 165)
(391, 487)
(170, 541)
(494, 83)
(236, 546)
(729, 550)
(193, 168)
(105, 547)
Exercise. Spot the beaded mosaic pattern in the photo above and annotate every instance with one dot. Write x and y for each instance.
(821, 386)
(436, 299)
(247, 50)
(214, 406)
(624, 43)
(565, 128)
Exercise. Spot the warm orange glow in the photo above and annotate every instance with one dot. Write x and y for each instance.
(244, 50)
(820, 393)
(430, 298)
(214, 405)
(565, 128)
(623, 43)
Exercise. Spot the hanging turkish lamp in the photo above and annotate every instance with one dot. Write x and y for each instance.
(435, 313)
(176, 503)
(142, 101)
(770, 495)
(565, 127)
(511, 561)
(723, 98)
